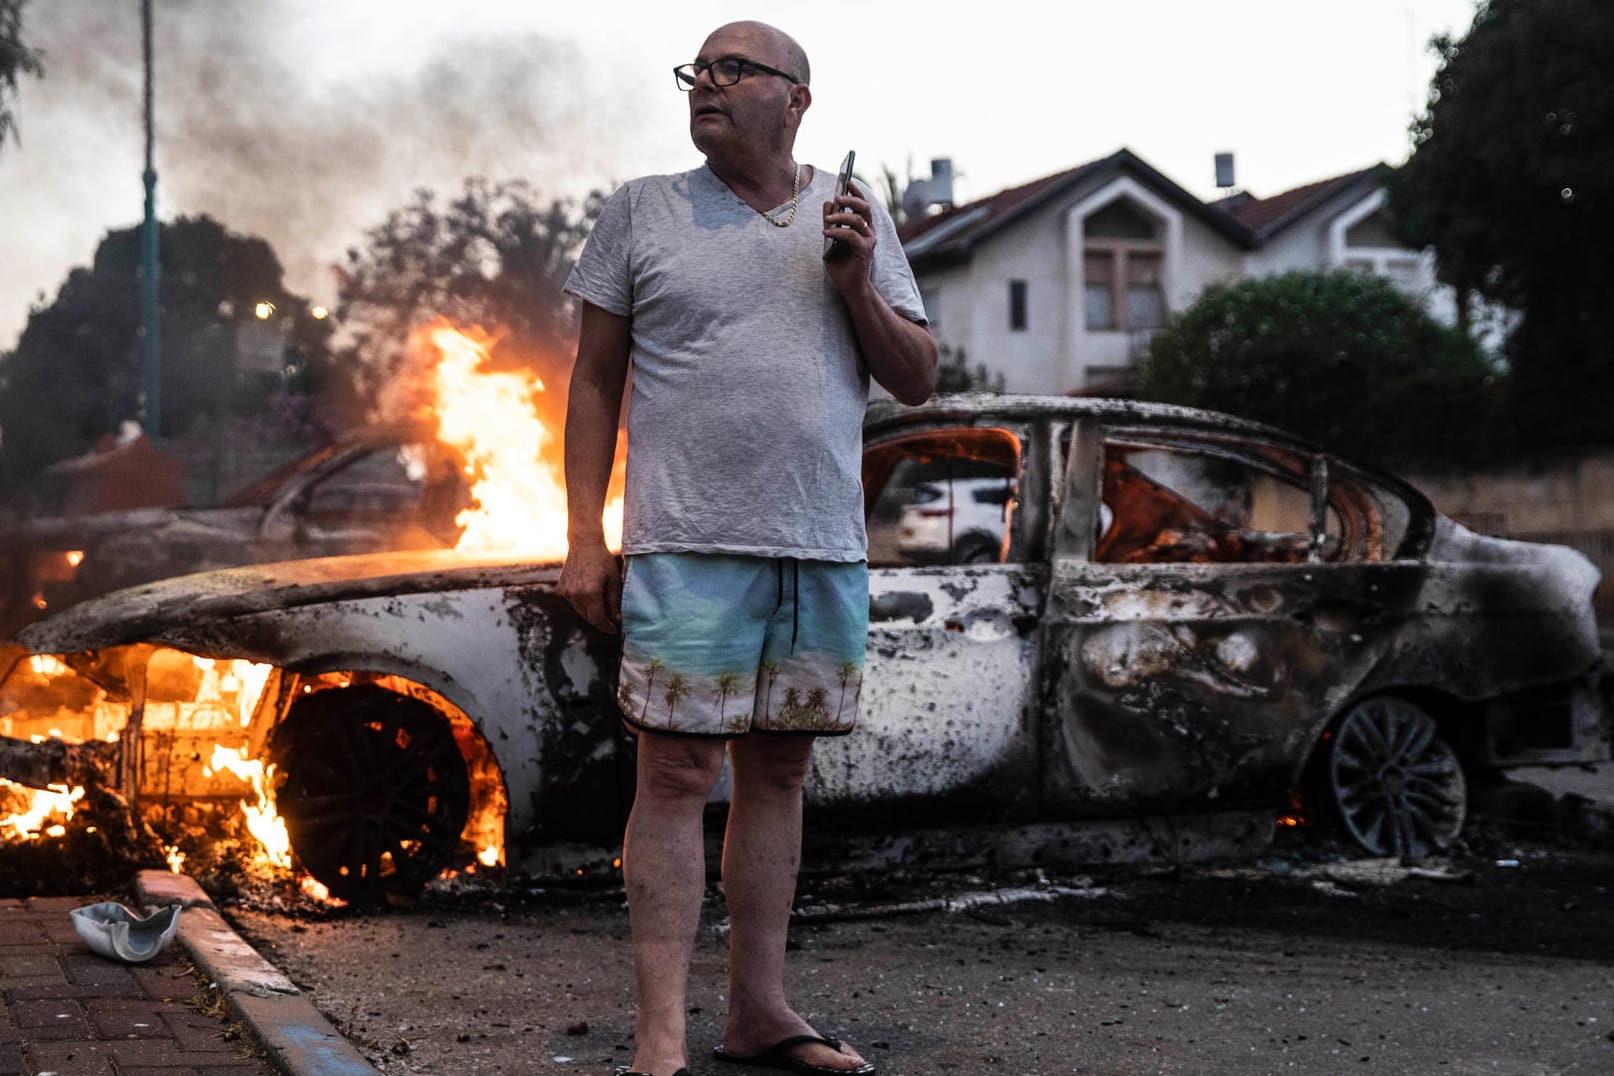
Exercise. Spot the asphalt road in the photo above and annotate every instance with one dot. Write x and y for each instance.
(1499, 959)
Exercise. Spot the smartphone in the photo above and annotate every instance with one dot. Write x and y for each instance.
(834, 248)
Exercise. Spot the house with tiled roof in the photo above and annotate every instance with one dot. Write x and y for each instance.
(1059, 284)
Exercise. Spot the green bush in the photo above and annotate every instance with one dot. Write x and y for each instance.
(1340, 357)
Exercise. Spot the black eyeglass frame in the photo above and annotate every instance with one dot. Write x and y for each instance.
(692, 71)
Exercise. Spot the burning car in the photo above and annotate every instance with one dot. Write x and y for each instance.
(1185, 616)
(372, 489)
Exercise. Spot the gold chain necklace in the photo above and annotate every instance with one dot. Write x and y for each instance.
(795, 189)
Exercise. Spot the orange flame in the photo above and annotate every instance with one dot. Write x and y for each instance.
(43, 806)
(318, 892)
(262, 820)
(511, 455)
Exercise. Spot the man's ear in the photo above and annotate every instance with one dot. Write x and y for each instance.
(800, 97)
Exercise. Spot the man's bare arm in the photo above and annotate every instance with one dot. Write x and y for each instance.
(901, 354)
(591, 579)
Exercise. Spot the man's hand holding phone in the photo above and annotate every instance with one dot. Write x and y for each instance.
(847, 225)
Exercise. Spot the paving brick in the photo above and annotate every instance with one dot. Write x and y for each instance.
(166, 977)
(54, 985)
(166, 1053)
(23, 963)
(59, 904)
(195, 1031)
(120, 1018)
(59, 928)
(11, 1059)
(96, 976)
(49, 1012)
(70, 1058)
(15, 931)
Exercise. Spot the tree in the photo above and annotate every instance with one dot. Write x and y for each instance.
(955, 374)
(75, 373)
(494, 258)
(1511, 181)
(1340, 357)
(16, 59)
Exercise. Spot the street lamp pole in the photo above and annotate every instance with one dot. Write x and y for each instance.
(150, 269)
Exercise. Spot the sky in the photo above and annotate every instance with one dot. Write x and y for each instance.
(307, 121)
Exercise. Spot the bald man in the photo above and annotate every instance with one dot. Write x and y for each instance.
(743, 602)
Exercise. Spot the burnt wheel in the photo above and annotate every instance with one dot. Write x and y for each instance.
(1397, 787)
(373, 789)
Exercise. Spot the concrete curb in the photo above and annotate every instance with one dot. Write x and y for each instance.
(298, 1040)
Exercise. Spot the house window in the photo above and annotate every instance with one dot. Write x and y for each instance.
(1017, 306)
(1145, 300)
(1122, 265)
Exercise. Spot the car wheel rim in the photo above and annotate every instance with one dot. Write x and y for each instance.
(374, 793)
(1398, 787)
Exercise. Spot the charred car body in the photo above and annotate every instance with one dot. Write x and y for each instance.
(1185, 615)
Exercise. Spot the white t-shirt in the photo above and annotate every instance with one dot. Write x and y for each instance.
(746, 413)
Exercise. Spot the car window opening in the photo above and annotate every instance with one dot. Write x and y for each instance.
(1204, 504)
(941, 497)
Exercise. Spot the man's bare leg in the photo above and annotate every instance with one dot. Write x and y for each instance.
(664, 868)
(761, 855)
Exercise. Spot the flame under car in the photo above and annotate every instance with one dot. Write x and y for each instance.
(1177, 615)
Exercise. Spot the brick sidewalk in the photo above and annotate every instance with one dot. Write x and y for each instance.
(68, 1012)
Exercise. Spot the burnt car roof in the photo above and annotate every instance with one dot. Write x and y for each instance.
(886, 413)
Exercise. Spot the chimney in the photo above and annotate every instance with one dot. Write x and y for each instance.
(935, 191)
(1224, 172)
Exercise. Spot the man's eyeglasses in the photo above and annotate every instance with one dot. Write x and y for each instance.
(724, 72)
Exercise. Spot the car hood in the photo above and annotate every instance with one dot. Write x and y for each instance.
(143, 612)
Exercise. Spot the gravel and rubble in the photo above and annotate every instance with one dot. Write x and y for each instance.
(1497, 957)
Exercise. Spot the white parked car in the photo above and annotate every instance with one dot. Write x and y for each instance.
(957, 520)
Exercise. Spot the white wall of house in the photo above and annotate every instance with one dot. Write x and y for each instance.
(1304, 246)
(1030, 251)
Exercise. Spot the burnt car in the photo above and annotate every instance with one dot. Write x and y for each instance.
(1185, 618)
(372, 489)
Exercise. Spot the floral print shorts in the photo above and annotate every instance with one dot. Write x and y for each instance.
(719, 645)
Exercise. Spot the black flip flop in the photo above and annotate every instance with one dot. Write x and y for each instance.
(778, 1056)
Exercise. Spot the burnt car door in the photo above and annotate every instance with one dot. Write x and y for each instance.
(956, 580)
(1216, 597)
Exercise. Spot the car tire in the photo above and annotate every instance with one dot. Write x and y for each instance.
(1394, 786)
(373, 790)
(976, 549)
